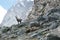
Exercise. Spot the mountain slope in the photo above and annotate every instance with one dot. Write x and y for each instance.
(19, 10)
(44, 27)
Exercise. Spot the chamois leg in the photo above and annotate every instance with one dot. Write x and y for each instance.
(18, 23)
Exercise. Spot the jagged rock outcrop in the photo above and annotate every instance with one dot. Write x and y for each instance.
(42, 7)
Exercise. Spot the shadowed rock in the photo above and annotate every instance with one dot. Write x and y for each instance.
(53, 37)
(34, 24)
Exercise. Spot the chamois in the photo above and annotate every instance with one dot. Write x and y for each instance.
(18, 19)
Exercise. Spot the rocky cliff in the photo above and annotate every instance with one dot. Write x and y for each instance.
(44, 26)
(42, 7)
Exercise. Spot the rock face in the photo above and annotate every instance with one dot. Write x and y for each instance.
(42, 7)
(52, 37)
(43, 27)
